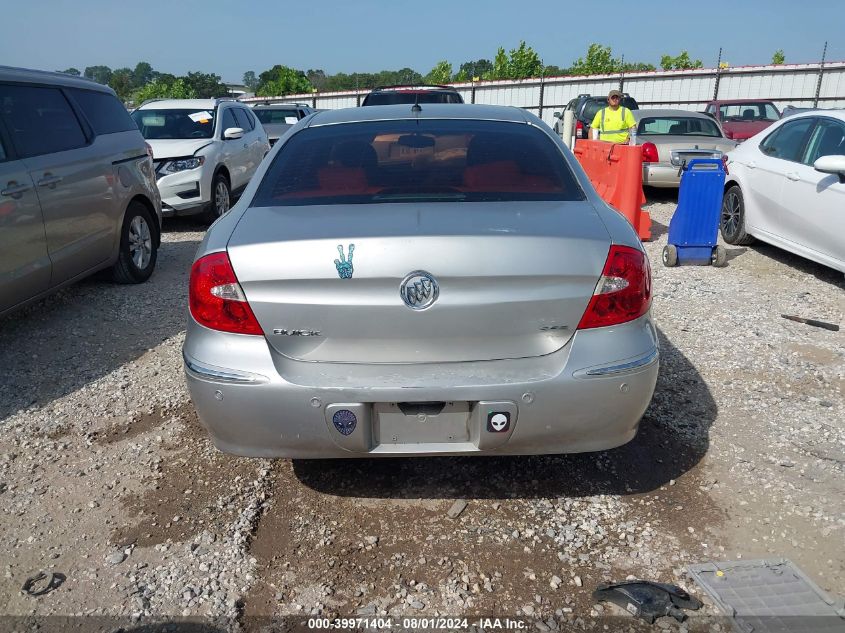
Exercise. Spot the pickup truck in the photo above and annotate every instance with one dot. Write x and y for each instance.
(743, 118)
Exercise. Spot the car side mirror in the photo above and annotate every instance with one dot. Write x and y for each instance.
(558, 115)
(834, 164)
(232, 133)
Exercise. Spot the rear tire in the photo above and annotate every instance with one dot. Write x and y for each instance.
(670, 255)
(136, 259)
(221, 197)
(732, 220)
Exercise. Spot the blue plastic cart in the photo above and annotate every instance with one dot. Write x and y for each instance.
(694, 227)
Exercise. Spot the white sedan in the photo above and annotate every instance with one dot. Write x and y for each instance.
(786, 186)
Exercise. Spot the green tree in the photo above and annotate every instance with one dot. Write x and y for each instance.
(121, 83)
(635, 66)
(598, 61)
(166, 78)
(407, 76)
(142, 75)
(554, 71)
(317, 78)
(681, 62)
(100, 74)
(157, 89)
(777, 59)
(205, 85)
(440, 74)
(250, 80)
(338, 81)
(282, 80)
(477, 68)
(500, 68)
(524, 62)
(70, 71)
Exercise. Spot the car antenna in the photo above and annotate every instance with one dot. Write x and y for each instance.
(416, 107)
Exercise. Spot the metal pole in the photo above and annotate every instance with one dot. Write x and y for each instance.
(542, 86)
(622, 75)
(819, 83)
(357, 94)
(718, 75)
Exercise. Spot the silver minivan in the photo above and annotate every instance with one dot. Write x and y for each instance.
(77, 188)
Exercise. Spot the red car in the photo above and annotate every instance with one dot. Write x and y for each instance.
(743, 118)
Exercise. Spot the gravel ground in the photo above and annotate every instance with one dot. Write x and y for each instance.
(107, 478)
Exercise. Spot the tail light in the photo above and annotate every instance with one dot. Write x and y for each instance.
(650, 153)
(579, 129)
(216, 298)
(623, 292)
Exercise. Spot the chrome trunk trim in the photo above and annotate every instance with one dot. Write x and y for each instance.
(218, 374)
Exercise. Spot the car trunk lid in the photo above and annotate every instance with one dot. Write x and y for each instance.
(742, 130)
(514, 278)
(676, 150)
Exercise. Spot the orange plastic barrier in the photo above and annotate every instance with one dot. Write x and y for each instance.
(616, 172)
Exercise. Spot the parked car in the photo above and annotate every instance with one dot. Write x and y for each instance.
(584, 108)
(787, 187)
(743, 118)
(204, 150)
(77, 191)
(791, 110)
(278, 118)
(403, 282)
(394, 95)
(670, 138)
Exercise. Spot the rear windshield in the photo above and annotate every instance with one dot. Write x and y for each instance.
(681, 126)
(161, 124)
(762, 111)
(417, 161)
(272, 116)
(594, 105)
(398, 97)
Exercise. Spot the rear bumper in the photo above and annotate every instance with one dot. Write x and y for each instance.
(660, 175)
(588, 396)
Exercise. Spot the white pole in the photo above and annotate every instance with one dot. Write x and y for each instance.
(568, 123)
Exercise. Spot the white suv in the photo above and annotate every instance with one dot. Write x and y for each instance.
(204, 151)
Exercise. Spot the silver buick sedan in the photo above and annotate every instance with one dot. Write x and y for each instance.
(671, 138)
(420, 280)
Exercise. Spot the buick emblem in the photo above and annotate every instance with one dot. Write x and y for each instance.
(419, 290)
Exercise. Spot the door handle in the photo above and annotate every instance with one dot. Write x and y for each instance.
(49, 180)
(14, 190)
(793, 176)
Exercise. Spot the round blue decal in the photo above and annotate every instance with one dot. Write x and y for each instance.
(344, 421)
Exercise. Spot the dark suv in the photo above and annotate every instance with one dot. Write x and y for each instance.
(394, 95)
(585, 108)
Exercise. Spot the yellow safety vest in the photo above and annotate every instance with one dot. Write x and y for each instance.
(615, 135)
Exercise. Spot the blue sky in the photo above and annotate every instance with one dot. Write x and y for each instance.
(231, 37)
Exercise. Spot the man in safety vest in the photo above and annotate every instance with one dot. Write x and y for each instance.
(613, 123)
